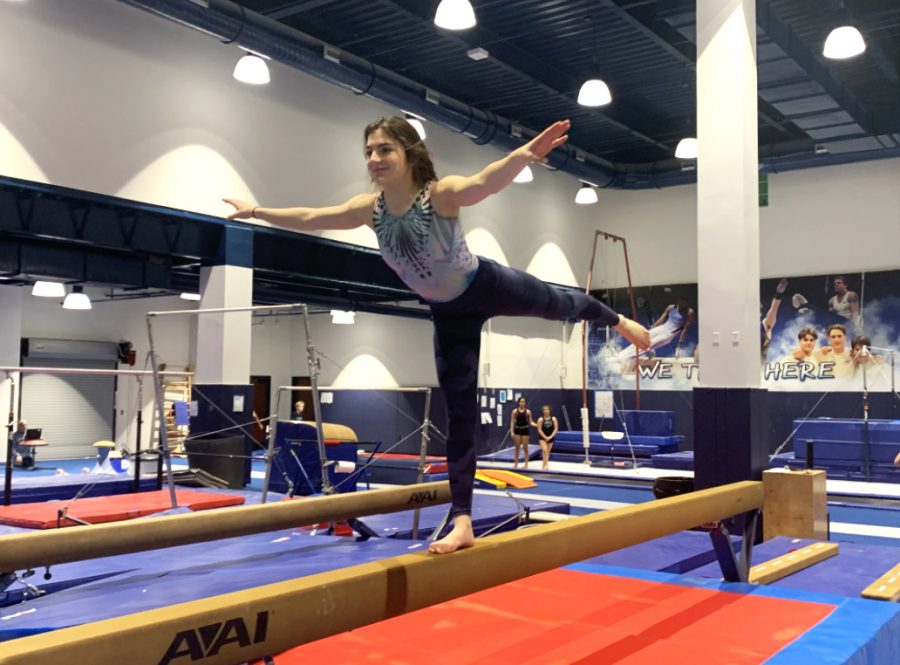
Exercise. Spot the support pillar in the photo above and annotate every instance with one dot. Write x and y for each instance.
(222, 390)
(11, 298)
(729, 407)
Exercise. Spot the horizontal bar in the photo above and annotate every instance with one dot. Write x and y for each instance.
(225, 310)
(44, 548)
(398, 389)
(276, 617)
(74, 370)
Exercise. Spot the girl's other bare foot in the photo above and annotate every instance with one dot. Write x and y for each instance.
(460, 537)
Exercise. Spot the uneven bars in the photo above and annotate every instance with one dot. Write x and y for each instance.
(45, 548)
(266, 620)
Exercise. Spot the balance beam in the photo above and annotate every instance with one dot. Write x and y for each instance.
(788, 564)
(45, 548)
(243, 625)
(886, 587)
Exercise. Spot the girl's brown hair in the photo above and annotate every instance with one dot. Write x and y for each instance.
(416, 152)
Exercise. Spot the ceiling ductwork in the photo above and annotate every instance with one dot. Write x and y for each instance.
(232, 23)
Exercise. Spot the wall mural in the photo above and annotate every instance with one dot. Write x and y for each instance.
(821, 332)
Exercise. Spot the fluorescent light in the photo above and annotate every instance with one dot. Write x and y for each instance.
(844, 42)
(454, 15)
(586, 195)
(190, 296)
(686, 148)
(525, 175)
(43, 289)
(594, 92)
(341, 317)
(252, 69)
(416, 122)
(77, 299)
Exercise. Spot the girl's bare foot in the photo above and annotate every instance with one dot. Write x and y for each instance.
(634, 332)
(460, 537)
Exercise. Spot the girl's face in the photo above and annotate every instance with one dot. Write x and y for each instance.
(546, 411)
(521, 402)
(386, 160)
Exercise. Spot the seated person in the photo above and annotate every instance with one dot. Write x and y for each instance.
(24, 454)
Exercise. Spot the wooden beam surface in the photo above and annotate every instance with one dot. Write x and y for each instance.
(791, 562)
(886, 587)
(44, 548)
(243, 625)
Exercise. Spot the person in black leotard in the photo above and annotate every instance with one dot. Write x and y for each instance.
(520, 424)
(548, 426)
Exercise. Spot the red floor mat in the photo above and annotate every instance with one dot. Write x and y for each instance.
(115, 508)
(567, 617)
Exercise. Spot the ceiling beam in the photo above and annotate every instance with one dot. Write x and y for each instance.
(502, 53)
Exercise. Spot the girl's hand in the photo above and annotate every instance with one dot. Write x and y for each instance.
(242, 209)
(537, 149)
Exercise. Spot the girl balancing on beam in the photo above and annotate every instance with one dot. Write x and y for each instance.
(415, 216)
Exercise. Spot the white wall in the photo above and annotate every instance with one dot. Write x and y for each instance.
(111, 99)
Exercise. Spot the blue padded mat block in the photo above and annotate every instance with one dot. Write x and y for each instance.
(679, 553)
(847, 429)
(148, 580)
(619, 448)
(847, 574)
(646, 423)
(683, 460)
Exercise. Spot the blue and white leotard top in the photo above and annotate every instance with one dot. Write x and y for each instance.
(427, 251)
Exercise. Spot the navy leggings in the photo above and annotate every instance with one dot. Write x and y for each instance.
(495, 291)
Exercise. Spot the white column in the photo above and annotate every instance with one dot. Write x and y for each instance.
(223, 340)
(11, 298)
(727, 194)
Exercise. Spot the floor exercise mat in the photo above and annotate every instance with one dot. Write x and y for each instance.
(100, 509)
(573, 617)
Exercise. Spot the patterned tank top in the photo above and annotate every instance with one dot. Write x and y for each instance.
(427, 251)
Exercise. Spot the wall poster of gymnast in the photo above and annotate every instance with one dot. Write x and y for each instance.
(817, 332)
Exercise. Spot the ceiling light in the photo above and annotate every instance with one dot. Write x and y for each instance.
(454, 15)
(525, 175)
(477, 53)
(341, 317)
(686, 148)
(190, 296)
(43, 289)
(77, 299)
(416, 122)
(594, 92)
(586, 195)
(844, 42)
(252, 69)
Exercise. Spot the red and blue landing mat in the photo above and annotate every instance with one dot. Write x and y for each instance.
(115, 508)
(597, 615)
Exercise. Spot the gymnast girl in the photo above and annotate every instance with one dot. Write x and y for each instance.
(520, 424)
(415, 216)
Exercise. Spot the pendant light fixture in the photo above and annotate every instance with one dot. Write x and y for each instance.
(252, 69)
(586, 195)
(844, 42)
(455, 15)
(78, 299)
(594, 91)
